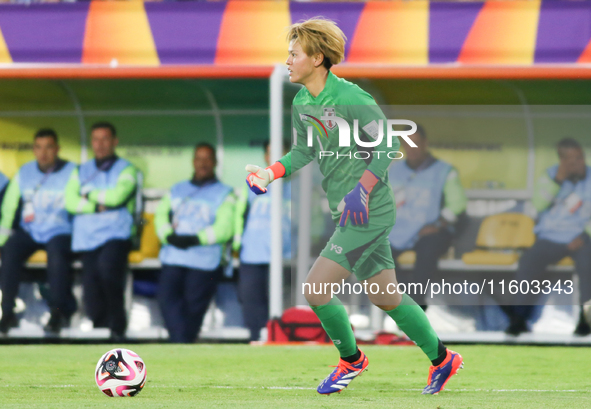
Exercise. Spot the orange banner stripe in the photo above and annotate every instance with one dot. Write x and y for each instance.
(118, 32)
(253, 32)
(392, 33)
(504, 33)
(585, 56)
(5, 57)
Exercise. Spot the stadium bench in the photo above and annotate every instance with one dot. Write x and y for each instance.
(500, 241)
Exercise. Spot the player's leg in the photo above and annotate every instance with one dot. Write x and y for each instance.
(330, 310)
(348, 247)
(335, 321)
(407, 314)
(409, 317)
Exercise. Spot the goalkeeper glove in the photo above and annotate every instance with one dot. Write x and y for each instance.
(355, 204)
(258, 179)
(182, 241)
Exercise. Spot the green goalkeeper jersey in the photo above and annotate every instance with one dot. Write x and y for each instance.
(343, 166)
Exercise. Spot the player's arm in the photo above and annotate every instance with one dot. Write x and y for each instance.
(121, 193)
(162, 219)
(355, 205)
(239, 218)
(370, 116)
(300, 155)
(545, 192)
(259, 178)
(76, 203)
(10, 205)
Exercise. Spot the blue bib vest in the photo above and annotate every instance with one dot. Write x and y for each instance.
(44, 194)
(418, 200)
(256, 240)
(193, 209)
(93, 230)
(566, 218)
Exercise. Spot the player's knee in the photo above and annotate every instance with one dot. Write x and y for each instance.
(315, 299)
(386, 302)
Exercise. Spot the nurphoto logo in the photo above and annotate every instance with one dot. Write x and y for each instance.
(375, 129)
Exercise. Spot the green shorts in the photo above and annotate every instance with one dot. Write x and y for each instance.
(363, 250)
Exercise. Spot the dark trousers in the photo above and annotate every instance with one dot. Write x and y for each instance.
(104, 270)
(533, 264)
(184, 295)
(428, 249)
(253, 292)
(18, 248)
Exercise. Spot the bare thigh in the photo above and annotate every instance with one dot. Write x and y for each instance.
(323, 273)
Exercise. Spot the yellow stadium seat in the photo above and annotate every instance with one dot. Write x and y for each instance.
(490, 257)
(567, 261)
(500, 237)
(39, 257)
(136, 257)
(408, 257)
(149, 244)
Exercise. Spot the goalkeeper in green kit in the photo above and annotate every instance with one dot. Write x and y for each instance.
(360, 198)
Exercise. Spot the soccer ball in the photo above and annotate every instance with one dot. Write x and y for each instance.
(120, 372)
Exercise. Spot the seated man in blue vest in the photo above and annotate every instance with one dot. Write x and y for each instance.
(562, 198)
(35, 199)
(102, 195)
(252, 239)
(193, 222)
(430, 201)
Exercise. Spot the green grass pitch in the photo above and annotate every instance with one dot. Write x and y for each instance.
(243, 376)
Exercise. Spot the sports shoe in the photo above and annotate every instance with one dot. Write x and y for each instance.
(344, 373)
(440, 374)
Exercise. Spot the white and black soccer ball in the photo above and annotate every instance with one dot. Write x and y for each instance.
(120, 372)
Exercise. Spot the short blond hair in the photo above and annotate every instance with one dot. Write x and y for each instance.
(320, 35)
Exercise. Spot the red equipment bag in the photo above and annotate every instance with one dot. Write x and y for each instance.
(296, 324)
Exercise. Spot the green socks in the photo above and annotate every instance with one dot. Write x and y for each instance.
(409, 316)
(411, 319)
(335, 322)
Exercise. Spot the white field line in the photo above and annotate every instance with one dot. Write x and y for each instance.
(311, 389)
